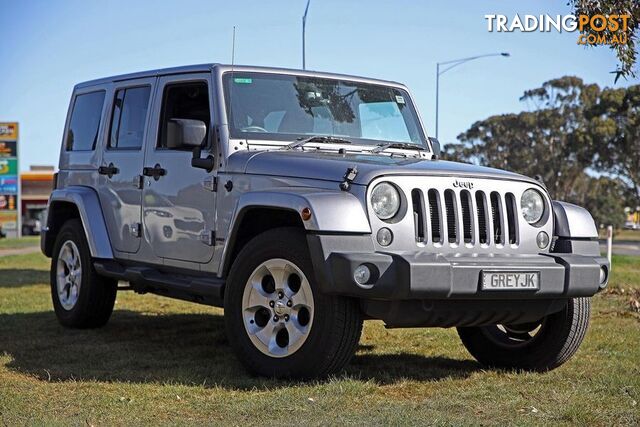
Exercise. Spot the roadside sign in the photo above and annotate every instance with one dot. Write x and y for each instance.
(8, 222)
(8, 131)
(8, 202)
(10, 206)
(8, 166)
(9, 184)
(8, 149)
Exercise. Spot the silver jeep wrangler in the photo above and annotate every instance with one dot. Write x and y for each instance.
(304, 203)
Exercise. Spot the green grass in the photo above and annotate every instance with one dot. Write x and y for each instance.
(23, 242)
(161, 361)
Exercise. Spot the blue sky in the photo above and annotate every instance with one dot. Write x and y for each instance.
(46, 47)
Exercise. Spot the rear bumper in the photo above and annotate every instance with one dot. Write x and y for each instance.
(422, 276)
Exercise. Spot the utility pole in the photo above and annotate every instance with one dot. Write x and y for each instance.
(304, 27)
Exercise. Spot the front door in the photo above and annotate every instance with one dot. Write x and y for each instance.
(120, 185)
(178, 200)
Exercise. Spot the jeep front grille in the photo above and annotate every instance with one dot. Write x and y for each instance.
(464, 217)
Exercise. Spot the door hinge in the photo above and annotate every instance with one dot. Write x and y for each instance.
(208, 237)
(138, 182)
(210, 183)
(136, 228)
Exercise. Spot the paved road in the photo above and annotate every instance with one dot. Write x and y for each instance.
(622, 247)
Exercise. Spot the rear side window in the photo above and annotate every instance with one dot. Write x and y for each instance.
(85, 122)
(129, 117)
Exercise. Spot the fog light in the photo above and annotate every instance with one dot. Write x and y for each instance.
(542, 240)
(603, 275)
(362, 274)
(384, 236)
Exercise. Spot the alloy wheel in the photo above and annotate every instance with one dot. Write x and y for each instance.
(277, 308)
(68, 275)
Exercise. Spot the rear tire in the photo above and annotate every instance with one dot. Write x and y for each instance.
(557, 338)
(81, 298)
(277, 322)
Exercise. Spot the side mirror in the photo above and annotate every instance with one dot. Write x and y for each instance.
(435, 145)
(185, 133)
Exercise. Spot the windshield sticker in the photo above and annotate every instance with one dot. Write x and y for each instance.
(243, 80)
(399, 99)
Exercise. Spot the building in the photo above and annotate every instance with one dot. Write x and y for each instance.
(36, 186)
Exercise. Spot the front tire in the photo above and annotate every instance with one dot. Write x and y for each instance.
(537, 346)
(81, 298)
(277, 321)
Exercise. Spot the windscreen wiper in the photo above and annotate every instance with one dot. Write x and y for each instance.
(404, 145)
(317, 138)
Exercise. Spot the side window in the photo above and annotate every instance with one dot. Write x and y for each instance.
(130, 108)
(182, 101)
(82, 134)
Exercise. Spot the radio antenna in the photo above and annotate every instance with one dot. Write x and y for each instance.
(233, 48)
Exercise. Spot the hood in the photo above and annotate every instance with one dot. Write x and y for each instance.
(331, 166)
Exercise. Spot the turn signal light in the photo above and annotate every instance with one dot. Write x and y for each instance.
(305, 213)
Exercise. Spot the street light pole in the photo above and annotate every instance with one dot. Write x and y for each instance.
(304, 27)
(451, 64)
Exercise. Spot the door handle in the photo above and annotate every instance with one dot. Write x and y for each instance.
(156, 172)
(108, 170)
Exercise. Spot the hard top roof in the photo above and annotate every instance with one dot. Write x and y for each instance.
(205, 68)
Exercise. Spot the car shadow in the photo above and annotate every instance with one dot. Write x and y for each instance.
(189, 349)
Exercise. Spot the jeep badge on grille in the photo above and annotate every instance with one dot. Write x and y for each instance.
(463, 184)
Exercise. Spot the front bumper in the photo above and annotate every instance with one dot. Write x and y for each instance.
(422, 276)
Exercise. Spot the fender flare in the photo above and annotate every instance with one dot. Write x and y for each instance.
(573, 221)
(331, 211)
(88, 204)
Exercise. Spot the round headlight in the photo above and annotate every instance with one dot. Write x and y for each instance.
(532, 205)
(385, 200)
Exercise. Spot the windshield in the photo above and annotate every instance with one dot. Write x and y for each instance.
(286, 107)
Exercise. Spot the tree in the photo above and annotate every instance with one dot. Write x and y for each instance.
(582, 141)
(605, 198)
(550, 140)
(626, 53)
(615, 122)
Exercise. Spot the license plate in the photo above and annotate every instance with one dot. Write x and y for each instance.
(510, 280)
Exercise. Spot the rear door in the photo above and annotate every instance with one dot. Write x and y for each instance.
(179, 200)
(120, 182)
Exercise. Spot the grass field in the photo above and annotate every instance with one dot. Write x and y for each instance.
(168, 362)
(19, 243)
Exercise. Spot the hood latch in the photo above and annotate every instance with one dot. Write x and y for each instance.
(348, 178)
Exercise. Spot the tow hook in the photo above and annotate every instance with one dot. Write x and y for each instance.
(348, 178)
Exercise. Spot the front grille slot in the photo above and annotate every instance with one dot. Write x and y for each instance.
(419, 219)
(434, 216)
(467, 225)
(450, 207)
(483, 232)
(496, 215)
(510, 203)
